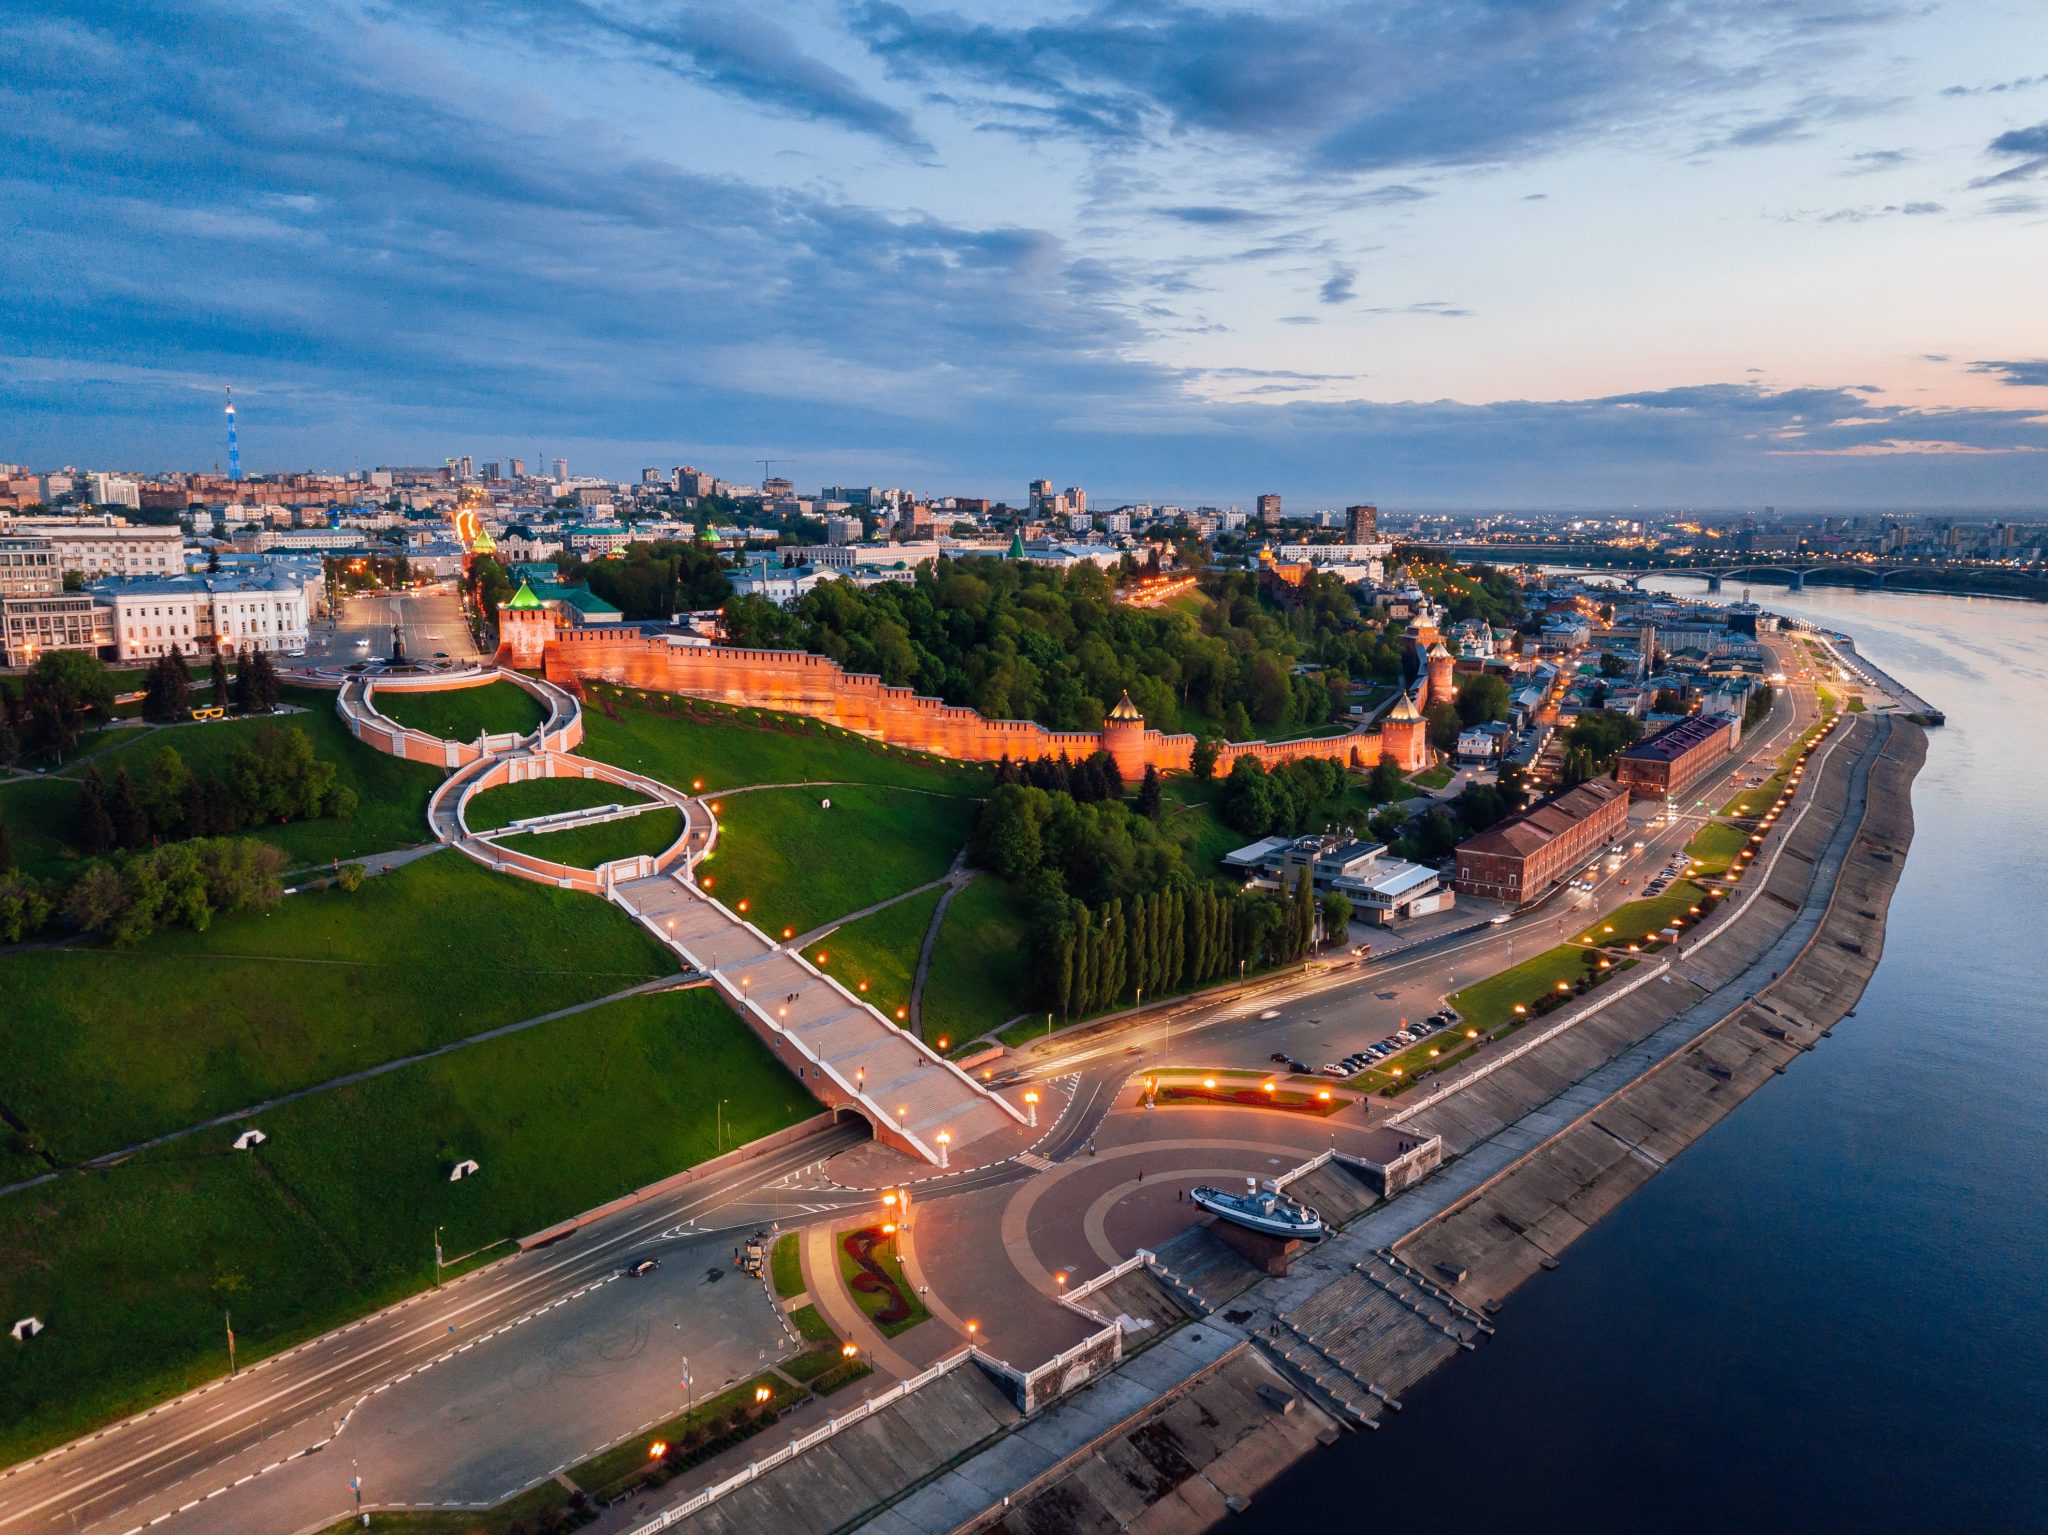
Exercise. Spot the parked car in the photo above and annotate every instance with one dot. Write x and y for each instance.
(1278, 1055)
(1332, 1069)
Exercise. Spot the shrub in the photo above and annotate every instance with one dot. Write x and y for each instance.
(350, 877)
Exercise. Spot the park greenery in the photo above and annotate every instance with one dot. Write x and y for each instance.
(654, 580)
(501, 806)
(1019, 641)
(132, 1266)
(247, 1008)
(462, 714)
(1595, 739)
(597, 843)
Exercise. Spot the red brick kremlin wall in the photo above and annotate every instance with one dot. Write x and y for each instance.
(795, 682)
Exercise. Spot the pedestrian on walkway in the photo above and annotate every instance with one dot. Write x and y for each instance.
(1141, 1175)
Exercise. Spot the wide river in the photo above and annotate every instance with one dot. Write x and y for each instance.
(1832, 1312)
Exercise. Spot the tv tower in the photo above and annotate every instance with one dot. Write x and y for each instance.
(234, 453)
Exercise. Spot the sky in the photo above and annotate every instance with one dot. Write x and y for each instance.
(1428, 253)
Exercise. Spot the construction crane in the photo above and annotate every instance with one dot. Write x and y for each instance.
(768, 468)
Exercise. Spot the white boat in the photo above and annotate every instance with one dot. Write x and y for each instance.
(1264, 1210)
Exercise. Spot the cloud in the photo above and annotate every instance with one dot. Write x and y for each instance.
(1212, 215)
(1892, 447)
(2023, 83)
(1494, 81)
(1435, 308)
(2028, 145)
(1866, 162)
(1865, 214)
(1340, 286)
(2031, 373)
(728, 48)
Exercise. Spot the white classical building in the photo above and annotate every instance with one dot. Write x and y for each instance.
(228, 613)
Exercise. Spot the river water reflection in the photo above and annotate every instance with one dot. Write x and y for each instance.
(1829, 1313)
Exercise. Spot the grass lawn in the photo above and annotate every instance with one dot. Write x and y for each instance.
(981, 965)
(798, 866)
(391, 795)
(463, 714)
(786, 1266)
(1717, 845)
(1755, 802)
(544, 796)
(1638, 920)
(1435, 777)
(873, 1302)
(526, 1512)
(1203, 836)
(38, 813)
(727, 1413)
(103, 1047)
(809, 1322)
(877, 956)
(585, 847)
(683, 740)
(1486, 1005)
(335, 1213)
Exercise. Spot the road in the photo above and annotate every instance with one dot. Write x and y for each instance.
(472, 1390)
(275, 1422)
(429, 621)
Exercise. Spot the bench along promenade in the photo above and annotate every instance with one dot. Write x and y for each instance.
(849, 1056)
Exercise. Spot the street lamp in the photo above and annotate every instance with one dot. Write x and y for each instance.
(945, 1140)
(1031, 1105)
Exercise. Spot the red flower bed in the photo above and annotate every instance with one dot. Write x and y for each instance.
(1251, 1098)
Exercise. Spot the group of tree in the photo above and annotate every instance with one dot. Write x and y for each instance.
(1286, 798)
(1474, 591)
(1760, 700)
(169, 693)
(1596, 738)
(49, 709)
(269, 779)
(654, 580)
(1021, 641)
(488, 587)
(1094, 957)
(181, 884)
(1052, 843)
(1094, 777)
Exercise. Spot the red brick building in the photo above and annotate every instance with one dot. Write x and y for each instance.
(1670, 761)
(1518, 859)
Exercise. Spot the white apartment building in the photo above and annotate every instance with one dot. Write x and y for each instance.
(107, 545)
(203, 614)
(113, 490)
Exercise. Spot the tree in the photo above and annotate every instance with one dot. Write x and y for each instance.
(24, 908)
(1148, 794)
(1387, 781)
(1237, 725)
(6, 849)
(1444, 724)
(1203, 763)
(63, 691)
(220, 681)
(166, 784)
(163, 692)
(1336, 916)
(96, 831)
(131, 815)
(1483, 699)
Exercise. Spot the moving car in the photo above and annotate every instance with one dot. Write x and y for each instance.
(642, 1268)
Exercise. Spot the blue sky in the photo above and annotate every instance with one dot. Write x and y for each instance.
(1428, 252)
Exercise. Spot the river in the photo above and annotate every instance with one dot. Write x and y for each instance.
(1827, 1314)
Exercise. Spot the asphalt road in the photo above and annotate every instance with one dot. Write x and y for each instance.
(525, 1381)
(470, 1391)
(428, 620)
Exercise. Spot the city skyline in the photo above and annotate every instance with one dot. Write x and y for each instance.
(1655, 255)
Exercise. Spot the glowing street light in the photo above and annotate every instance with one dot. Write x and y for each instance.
(945, 1140)
(1031, 1106)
